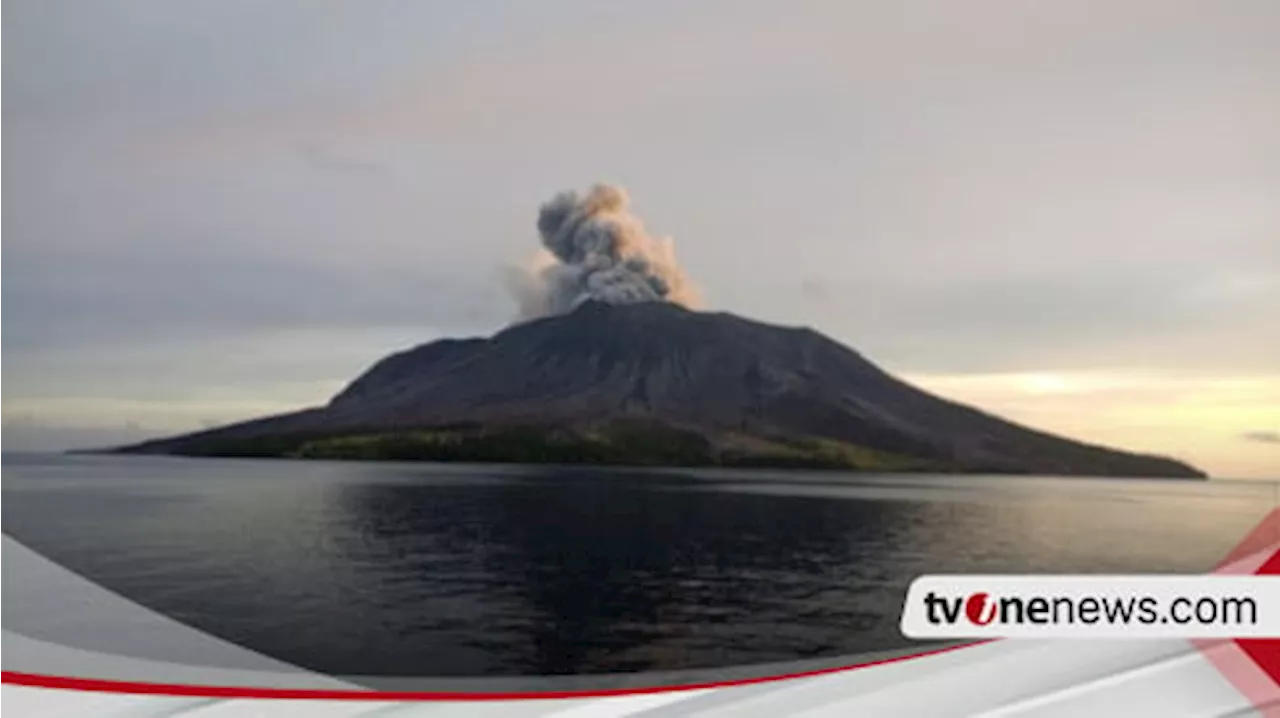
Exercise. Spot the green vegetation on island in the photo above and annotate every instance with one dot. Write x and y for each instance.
(618, 443)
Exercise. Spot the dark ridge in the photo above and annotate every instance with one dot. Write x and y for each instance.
(787, 394)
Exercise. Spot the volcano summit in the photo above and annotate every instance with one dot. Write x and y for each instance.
(612, 366)
(655, 383)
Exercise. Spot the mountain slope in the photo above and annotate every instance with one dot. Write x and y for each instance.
(717, 376)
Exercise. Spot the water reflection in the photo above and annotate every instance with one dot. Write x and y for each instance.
(365, 569)
(618, 576)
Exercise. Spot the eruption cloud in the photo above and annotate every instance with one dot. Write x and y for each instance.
(595, 249)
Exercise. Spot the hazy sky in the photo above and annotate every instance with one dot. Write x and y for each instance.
(1067, 213)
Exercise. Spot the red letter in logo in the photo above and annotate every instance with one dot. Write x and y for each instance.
(978, 610)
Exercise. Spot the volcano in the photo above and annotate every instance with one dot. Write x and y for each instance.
(654, 383)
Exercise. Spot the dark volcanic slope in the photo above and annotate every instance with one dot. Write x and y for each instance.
(712, 372)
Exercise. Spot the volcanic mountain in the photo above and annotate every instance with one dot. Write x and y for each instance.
(655, 383)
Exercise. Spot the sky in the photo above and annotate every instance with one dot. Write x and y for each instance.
(1065, 213)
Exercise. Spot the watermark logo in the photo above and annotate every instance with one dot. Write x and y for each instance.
(980, 610)
(1093, 607)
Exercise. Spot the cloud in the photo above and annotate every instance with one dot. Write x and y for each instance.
(19, 436)
(594, 248)
(1264, 437)
(1195, 417)
(328, 158)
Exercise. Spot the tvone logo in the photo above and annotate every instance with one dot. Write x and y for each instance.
(980, 609)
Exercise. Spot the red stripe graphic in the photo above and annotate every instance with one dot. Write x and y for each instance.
(199, 691)
(1266, 651)
(1265, 535)
(1252, 665)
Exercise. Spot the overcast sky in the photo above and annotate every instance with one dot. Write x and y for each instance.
(1068, 213)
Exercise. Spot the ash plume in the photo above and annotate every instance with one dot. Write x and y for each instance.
(593, 248)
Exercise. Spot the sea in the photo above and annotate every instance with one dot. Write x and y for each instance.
(475, 570)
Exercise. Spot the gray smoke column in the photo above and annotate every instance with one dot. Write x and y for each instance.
(595, 249)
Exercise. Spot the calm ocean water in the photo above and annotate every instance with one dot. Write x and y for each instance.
(354, 568)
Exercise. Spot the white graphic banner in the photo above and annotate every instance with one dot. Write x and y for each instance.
(1093, 606)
